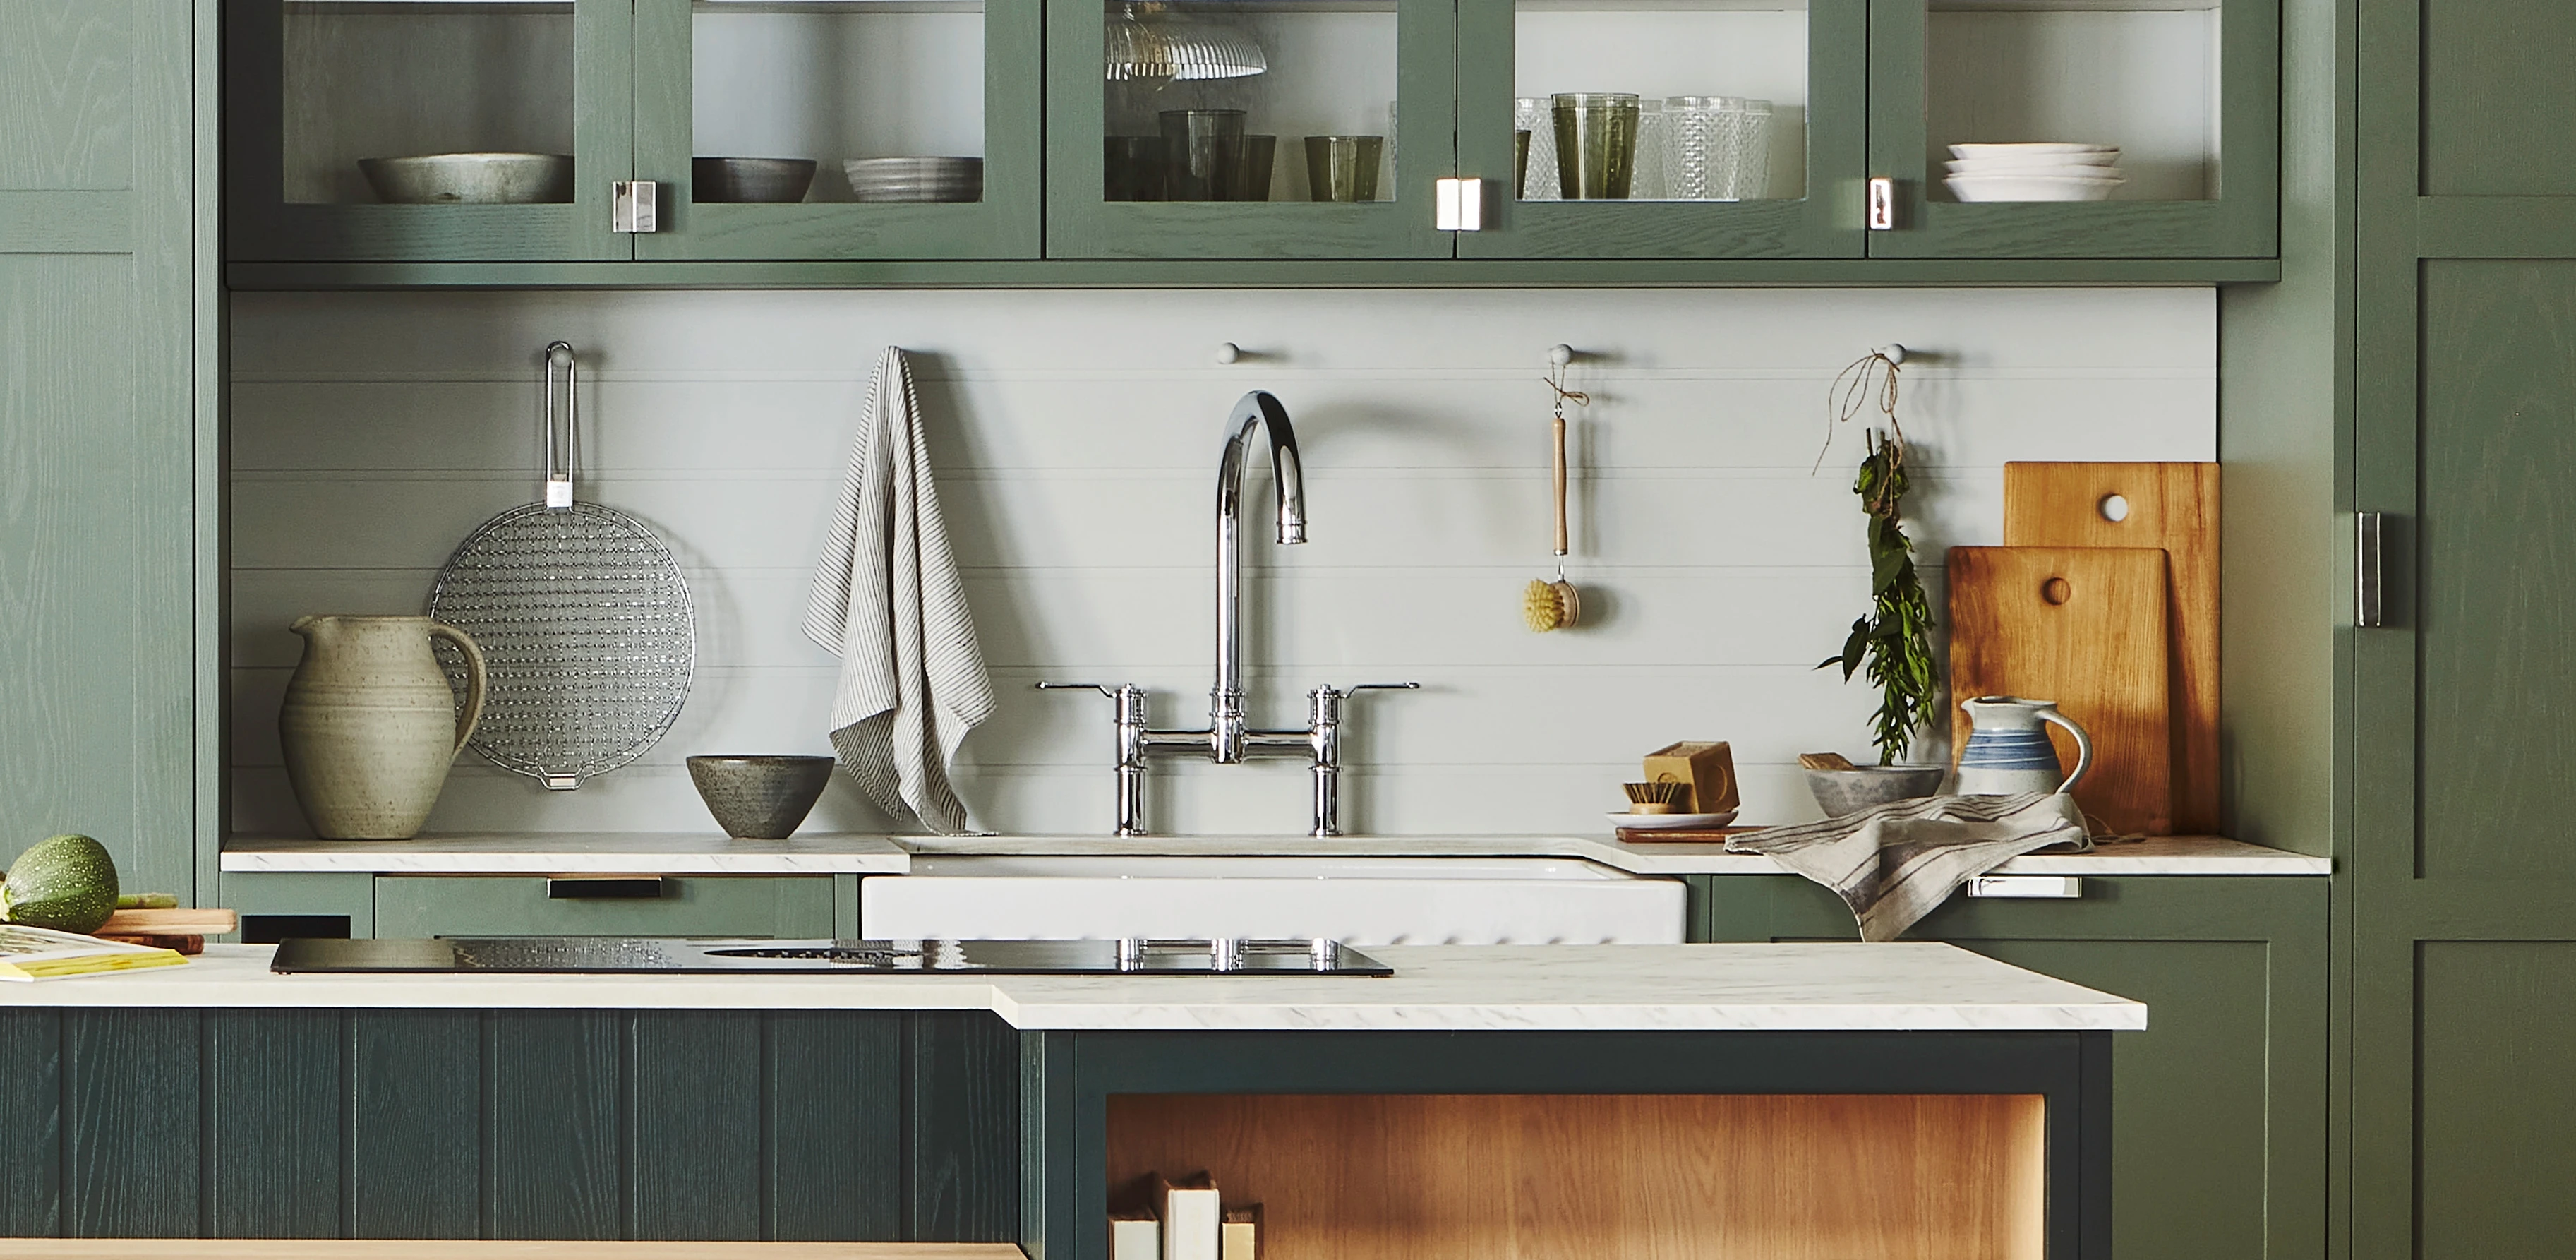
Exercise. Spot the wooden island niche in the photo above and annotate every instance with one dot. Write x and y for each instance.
(1607, 1176)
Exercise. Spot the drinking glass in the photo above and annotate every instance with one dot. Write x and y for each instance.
(1202, 153)
(1534, 115)
(1260, 156)
(1717, 148)
(1343, 168)
(1132, 168)
(1596, 144)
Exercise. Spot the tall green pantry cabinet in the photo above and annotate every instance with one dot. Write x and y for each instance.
(106, 269)
(2464, 939)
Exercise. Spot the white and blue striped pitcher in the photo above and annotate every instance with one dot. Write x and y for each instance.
(2008, 752)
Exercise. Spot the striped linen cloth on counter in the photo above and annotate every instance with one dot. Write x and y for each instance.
(886, 600)
(1894, 863)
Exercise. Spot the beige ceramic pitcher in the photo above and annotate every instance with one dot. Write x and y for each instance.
(370, 725)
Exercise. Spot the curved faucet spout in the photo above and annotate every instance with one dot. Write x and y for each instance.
(1287, 474)
(1258, 410)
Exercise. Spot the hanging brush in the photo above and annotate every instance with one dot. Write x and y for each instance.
(1556, 605)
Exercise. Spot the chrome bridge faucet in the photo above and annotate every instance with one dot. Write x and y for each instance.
(1229, 737)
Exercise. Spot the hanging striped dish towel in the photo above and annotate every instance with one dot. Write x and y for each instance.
(1897, 862)
(887, 601)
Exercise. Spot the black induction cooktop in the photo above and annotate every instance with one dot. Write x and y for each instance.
(553, 955)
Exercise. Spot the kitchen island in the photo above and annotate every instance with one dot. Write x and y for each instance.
(1721, 1100)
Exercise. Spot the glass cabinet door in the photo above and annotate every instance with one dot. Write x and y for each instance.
(1664, 128)
(426, 129)
(2077, 128)
(840, 129)
(1249, 128)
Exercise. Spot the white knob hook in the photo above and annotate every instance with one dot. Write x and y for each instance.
(1891, 352)
(1228, 352)
(1560, 355)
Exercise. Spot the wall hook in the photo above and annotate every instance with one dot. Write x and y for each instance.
(1560, 355)
(1228, 352)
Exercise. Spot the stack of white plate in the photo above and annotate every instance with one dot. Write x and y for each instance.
(916, 178)
(2034, 172)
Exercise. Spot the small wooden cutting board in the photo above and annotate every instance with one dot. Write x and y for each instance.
(2085, 627)
(2172, 506)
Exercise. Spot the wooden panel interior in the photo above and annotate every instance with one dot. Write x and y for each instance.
(1608, 1177)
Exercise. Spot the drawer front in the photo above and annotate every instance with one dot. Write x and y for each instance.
(517, 905)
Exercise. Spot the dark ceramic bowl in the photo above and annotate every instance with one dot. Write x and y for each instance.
(1840, 792)
(760, 798)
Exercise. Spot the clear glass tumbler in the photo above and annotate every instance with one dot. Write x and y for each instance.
(1596, 144)
(1536, 116)
(1202, 153)
(1648, 183)
(1717, 148)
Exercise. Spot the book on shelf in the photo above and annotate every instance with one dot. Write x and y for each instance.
(1240, 1237)
(33, 953)
(1134, 1234)
(1192, 1219)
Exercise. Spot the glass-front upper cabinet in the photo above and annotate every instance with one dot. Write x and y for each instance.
(2076, 128)
(426, 129)
(839, 129)
(1249, 128)
(1664, 128)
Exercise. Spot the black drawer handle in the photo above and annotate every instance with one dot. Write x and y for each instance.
(620, 888)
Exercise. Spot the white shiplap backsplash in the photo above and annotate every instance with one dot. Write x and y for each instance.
(1076, 435)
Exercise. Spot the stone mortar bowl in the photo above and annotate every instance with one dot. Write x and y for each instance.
(1840, 792)
(760, 798)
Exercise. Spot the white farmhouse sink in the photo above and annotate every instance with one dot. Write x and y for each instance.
(1358, 900)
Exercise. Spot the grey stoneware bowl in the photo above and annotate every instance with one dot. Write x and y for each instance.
(1840, 792)
(760, 798)
(776, 181)
(470, 178)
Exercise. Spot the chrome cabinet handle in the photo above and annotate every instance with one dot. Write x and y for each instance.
(1882, 204)
(634, 205)
(617, 888)
(2369, 573)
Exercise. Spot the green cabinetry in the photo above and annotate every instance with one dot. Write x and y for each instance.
(2461, 872)
(2219, 1111)
(1067, 115)
(629, 90)
(2200, 128)
(104, 536)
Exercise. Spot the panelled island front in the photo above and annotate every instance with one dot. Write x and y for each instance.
(1912, 1100)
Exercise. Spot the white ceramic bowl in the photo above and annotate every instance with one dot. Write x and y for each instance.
(2030, 188)
(2040, 162)
(2026, 151)
(1965, 171)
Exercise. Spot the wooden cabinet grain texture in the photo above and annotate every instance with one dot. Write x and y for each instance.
(2464, 293)
(98, 432)
(533, 1124)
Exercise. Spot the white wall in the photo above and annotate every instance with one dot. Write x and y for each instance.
(1077, 435)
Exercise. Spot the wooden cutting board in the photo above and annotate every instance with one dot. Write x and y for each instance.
(2085, 627)
(2175, 507)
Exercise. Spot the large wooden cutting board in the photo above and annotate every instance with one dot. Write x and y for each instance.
(2085, 627)
(2172, 506)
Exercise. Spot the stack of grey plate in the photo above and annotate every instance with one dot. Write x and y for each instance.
(916, 178)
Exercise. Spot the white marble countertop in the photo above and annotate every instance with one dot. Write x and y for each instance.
(703, 853)
(1904, 986)
(578, 853)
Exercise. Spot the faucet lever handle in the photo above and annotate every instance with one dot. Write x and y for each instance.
(1402, 686)
(1102, 688)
